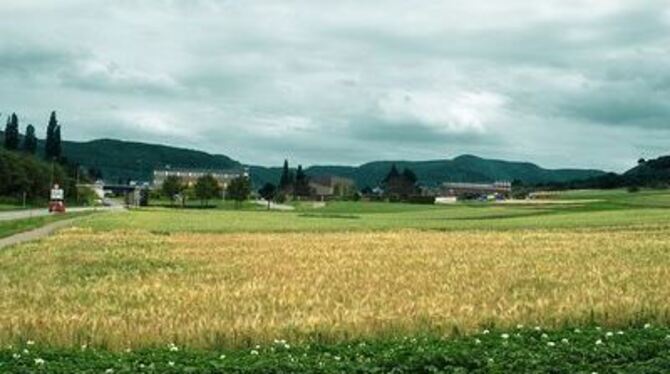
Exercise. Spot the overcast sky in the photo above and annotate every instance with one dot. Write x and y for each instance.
(565, 83)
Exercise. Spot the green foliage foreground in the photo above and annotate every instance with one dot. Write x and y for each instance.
(525, 349)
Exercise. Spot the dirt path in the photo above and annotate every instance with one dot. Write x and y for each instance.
(35, 234)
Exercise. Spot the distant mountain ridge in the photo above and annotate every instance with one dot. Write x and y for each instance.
(120, 160)
(466, 168)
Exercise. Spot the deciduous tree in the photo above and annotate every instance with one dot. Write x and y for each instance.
(172, 186)
(207, 188)
(268, 192)
(239, 190)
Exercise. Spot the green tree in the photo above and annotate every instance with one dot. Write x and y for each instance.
(30, 141)
(20, 173)
(286, 179)
(393, 173)
(239, 190)
(268, 192)
(52, 148)
(172, 186)
(301, 183)
(12, 133)
(409, 176)
(207, 188)
(400, 186)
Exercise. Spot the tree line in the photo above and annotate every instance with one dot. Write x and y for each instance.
(654, 173)
(52, 147)
(206, 188)
(22, 173)
(396, 186)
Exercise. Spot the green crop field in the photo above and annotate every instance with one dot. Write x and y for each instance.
(579, 210)
(577, 283)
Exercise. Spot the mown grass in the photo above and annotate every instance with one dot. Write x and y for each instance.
(461, 217)
(519, 350)
(599, 209)
(12, 227)
(5, 206)
(211, 204)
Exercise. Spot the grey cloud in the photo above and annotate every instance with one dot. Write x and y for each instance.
(261, 81)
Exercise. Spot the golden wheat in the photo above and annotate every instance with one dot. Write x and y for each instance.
(132, 288)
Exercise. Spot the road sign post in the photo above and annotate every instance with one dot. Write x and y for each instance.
(56, 203)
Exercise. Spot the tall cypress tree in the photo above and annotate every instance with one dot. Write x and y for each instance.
(286, 179)
(57, 143)
(393, 174)
(301, 185)
(52, 149)
(12, 133)
(7, 127)
(409, 176)
(30, 141)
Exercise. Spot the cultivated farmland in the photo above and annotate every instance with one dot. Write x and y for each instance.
(236, 279)
(121, 289)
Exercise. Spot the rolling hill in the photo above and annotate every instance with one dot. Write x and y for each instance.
(650, 171)
(465, 168)
(122, 160)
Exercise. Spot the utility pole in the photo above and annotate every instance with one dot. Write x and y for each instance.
(52, 173)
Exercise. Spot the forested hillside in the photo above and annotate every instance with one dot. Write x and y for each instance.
(119, 161)
(461, 169)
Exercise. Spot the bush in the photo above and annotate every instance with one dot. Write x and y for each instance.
(280, 198)
(87, 196)
(633, 189)
(395, 199)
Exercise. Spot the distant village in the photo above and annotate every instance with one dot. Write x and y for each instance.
(395, 187)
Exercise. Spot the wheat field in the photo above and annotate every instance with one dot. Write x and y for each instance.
(121, 289)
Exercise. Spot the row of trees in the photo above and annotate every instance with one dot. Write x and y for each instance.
(395, 186)
(206, 188)
(22, 174)
(52, 147)
(654, 173)
(294, 184)
(290, 184)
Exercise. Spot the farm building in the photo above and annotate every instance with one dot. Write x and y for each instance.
(331, 186)
(190, 176)
(476, 189)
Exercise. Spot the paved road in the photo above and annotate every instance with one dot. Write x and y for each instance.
(29, 213)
